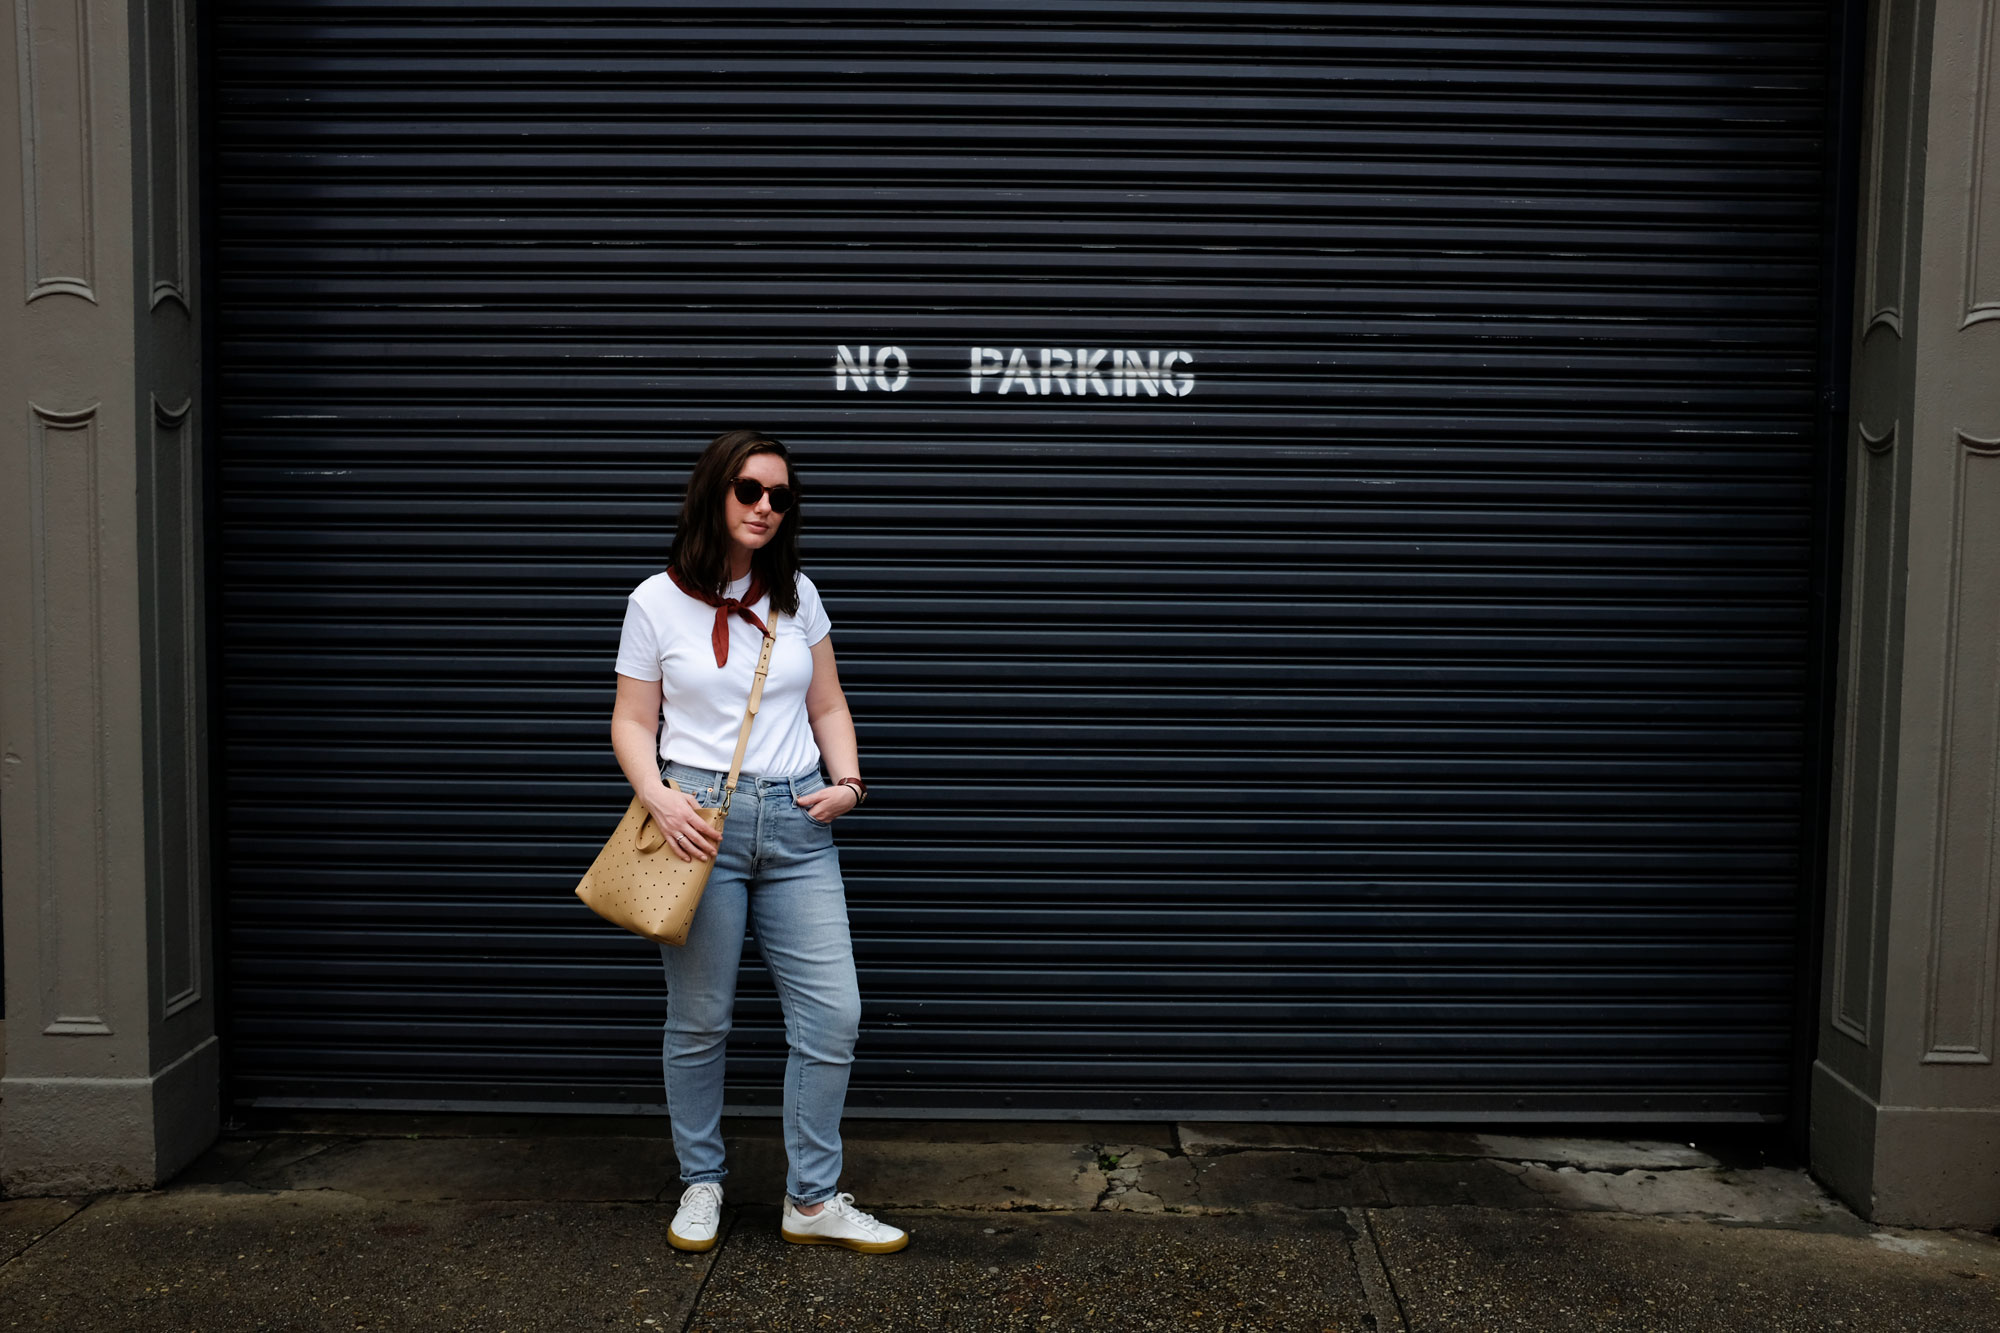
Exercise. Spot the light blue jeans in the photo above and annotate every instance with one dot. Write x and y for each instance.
(778, 872)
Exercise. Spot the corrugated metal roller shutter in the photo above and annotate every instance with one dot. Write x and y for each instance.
(1407, 720)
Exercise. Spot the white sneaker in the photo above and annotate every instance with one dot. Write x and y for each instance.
(841, 1223)
(695, 1224)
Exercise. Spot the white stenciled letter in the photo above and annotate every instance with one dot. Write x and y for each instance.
(985, 361)
(1087, 377)
(1017, 373)
(1139, 374)
(1181, 385)
(1058, 373)
(1130, 373)
(883, 359)
(846, 363)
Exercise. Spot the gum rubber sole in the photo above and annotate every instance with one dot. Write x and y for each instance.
(865, 1246)
(692, 1246)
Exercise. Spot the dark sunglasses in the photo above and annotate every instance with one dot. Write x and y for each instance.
(749, 490)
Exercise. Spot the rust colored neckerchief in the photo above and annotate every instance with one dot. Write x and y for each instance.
(719, 637)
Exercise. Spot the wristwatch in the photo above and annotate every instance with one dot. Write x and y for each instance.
(860, 789)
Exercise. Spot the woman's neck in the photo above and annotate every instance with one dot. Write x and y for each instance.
(739, 562)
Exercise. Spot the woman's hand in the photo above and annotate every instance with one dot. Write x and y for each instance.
(829, 803)
(691, 837)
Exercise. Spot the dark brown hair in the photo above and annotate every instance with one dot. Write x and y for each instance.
(700, 552)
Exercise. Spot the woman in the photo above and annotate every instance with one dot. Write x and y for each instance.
(691, 642)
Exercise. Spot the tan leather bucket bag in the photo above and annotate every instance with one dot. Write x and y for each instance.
(638, 883)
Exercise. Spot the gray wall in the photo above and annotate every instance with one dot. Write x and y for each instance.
(1905, 1097)
(112, 1073)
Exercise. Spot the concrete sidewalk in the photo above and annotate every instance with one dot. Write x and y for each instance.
(514, 1224)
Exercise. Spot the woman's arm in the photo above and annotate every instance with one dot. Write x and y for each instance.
(635, 738)
(833, 728)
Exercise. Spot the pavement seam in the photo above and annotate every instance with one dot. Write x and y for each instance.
(257, 1157)
(1463, 1159)
(729, 1217)
(1196, 1206)
(1385, 1303)
(74, 1214)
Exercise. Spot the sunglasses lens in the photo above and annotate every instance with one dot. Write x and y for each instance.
(749, 491)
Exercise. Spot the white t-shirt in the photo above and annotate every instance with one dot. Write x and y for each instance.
(667, 638)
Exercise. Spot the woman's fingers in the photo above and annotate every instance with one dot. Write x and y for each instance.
(697, 840)
(701, 838)
(688, 845)
(689, 836)
(664, 820)
(813, 800)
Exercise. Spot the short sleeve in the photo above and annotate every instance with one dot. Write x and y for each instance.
(812, 613)
(638, 646)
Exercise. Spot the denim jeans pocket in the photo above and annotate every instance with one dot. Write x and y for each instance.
(807, 788)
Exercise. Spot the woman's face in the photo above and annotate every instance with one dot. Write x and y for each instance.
(750, 526)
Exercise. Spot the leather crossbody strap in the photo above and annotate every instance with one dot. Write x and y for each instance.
(750, 713)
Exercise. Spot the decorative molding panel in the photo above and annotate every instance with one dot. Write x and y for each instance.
(171, 623)
(1982, 223)
(67, 573)
(1866, 757)
(58, 184)
(1886, 203)
(167, 139)
(1965, 893)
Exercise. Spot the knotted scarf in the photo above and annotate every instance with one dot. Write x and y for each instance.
(719, 636)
